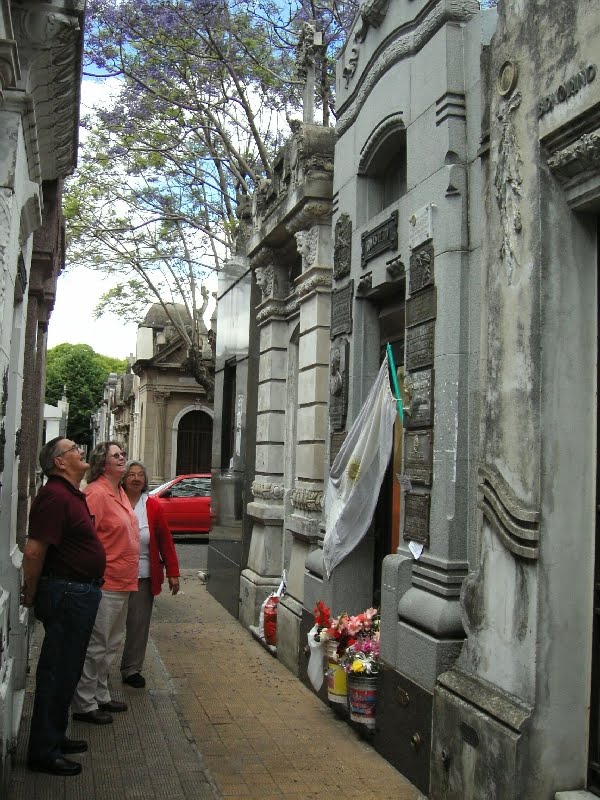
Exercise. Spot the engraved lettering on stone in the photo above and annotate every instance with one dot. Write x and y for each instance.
(383, 237)
(418, 406)
(507, 181)
(567, 89)
(418, 456)
(341, 310)
(342, 249)
(420, 346)
(416, 517)
(421, 307)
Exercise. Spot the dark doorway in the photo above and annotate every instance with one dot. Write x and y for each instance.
(194, 443)
(386, 519)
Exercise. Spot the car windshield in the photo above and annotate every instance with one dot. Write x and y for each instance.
(159, 488)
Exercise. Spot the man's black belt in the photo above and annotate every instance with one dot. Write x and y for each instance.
(91, 581)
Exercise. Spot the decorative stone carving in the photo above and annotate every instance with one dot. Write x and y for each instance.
(395, 268)
(401, 46)
(264, 278)
(342, 248)
(267, 490)
(5, 203)
(307, 500)
(307, 242)
(365, 283)
(507, 181)
(311, 212)
(372, 14)
(314, 281)
(581, 156)
(517, 526)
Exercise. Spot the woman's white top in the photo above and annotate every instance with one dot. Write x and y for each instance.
(142, 517)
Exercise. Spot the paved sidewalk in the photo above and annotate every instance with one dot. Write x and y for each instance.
(220, 718)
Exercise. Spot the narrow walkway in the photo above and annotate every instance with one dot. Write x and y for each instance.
(220, 718)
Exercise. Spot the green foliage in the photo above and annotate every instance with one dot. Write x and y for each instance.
(79, 372)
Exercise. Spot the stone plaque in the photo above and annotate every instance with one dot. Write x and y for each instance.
(338, 384)
(421, 308)
(418, 388)
(420, 346)
(335, 443)
(341, 310)
(421, 269)
(416, 518)
(383, 237)
(418, 456)
(420, 227)
(342, 248)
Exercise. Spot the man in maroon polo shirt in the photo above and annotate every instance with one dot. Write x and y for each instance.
(63, 568)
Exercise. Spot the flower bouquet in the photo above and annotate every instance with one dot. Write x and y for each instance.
(361, 662)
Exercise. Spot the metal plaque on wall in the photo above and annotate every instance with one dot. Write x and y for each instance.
(420, 346)
(416, 517)
(421, 308)
(338, 384)
(383, 237)
(418, 456)
(341, 310)
(418, 389)
(335, 442)
(342, 248)
(421, 268)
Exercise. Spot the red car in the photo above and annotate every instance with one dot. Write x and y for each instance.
(186, 503)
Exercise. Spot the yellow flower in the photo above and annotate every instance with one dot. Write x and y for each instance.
(357, 666)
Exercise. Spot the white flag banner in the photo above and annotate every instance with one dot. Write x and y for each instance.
(357, 473)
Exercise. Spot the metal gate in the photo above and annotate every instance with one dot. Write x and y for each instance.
(194, 443)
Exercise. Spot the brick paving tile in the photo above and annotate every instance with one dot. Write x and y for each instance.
(220, 718)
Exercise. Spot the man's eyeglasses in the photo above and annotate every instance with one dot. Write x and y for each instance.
(69, 449)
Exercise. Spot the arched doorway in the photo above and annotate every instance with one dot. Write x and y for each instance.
(194, 443)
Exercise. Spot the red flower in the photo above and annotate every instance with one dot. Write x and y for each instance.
(322, 615)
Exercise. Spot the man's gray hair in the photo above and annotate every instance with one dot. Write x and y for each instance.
(139, 464)
(48, 453)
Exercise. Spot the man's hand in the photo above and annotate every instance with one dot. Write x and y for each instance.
(33, 562)
(27, 596)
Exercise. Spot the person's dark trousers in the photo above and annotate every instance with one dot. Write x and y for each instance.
(67, 610)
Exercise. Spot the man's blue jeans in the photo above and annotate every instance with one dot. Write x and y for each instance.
(67, 610)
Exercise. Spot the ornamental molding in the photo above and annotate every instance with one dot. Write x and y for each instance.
(372, 14)
(264, 490)
(308, 499)
(406, 41)
(516, 525)
(275, 309)
(23, 104)
(313, 212)
(6, 196)
(311, 282)
(582, 156)
(10, 69)
(507, 182)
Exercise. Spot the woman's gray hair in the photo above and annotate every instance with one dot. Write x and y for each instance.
(139, 464)
(97, 460)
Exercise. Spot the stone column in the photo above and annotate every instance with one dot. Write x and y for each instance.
(265, 558)
(160, 400)
(313, 289)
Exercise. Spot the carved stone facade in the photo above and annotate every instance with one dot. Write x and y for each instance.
(40, 57)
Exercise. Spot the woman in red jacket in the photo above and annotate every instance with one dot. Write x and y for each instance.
(156, 552)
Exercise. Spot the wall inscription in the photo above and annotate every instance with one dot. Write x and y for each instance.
(416, 517)
(418, 388)
(338, 384)
(421, 307)
(383, 237)
(341, 310)
(418, 456)
(567, 89)
(421, 268)
(420, 346)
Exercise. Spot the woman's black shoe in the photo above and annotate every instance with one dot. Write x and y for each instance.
(136, 680)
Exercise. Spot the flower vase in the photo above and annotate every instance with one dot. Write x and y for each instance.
(336, 677)
(362, 698)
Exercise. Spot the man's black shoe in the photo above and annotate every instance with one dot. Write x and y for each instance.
(113, 705)
(73, 745)
(57, 766)
(136, 680)
(96, 717)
